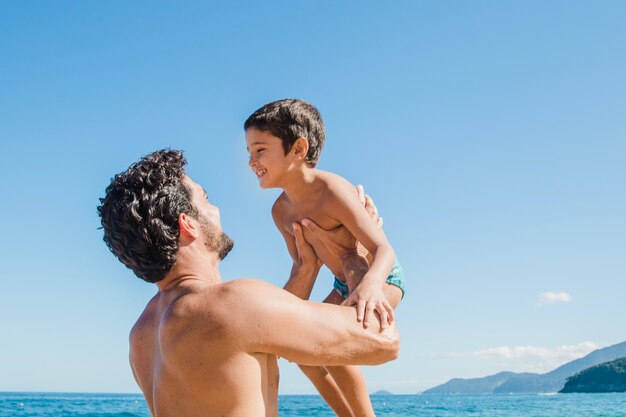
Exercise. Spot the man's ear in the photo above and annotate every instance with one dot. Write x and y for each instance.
(301, 147)
(187, 226)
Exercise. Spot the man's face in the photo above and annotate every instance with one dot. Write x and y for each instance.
(209, 218)
(267, 157)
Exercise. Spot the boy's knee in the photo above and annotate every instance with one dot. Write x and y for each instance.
(393, 294)
(313, 371)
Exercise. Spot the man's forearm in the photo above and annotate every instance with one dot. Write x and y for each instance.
(380, 267)
(332, 337)
(354, 266)
(306, 332)
(302, 279)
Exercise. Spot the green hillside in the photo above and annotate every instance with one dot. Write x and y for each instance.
(554, 380)
(606, 377)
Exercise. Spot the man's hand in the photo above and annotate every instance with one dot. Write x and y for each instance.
(369, 205)
(306, 254)
(306, 265)
(339, 241)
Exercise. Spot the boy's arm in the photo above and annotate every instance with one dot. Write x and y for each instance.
(300, 282)
(305, 332)
(344, 205)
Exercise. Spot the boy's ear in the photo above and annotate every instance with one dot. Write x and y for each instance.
(187, 226)
(301, 147)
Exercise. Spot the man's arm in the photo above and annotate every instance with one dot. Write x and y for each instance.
(301, 281)
(270, 320)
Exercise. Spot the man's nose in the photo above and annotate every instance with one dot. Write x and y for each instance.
(251, 161)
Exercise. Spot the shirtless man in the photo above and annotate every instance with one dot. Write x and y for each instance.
(203, 347)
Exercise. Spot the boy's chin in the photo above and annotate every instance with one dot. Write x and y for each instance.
(267, 185)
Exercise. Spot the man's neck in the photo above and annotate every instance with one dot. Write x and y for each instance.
(192, 266)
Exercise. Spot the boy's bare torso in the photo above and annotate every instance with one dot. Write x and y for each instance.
(180, 380)
(317, 206)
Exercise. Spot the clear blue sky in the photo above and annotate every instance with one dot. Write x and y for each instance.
(491, 134)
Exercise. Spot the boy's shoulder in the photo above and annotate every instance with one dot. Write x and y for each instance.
(327, 189)
(330, 180)
(335, 184)
(280, 205)
(281, 201)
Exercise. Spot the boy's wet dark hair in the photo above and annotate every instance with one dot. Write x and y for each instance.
(139, 213)
(289, 119)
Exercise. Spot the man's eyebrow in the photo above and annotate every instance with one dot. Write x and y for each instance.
(205, 194)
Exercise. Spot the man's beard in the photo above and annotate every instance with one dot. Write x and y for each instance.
(216, 241)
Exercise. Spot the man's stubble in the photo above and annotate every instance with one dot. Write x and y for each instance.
(216, 241)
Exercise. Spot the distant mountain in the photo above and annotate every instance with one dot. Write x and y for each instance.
(484, 385)
(555, 380)
(606, 377)
(382, 392)
(510, 382)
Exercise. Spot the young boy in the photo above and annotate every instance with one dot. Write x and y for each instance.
(284, 139)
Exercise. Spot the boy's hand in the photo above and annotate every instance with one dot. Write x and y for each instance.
(370, 298)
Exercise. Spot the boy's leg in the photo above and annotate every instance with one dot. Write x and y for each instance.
(328, 389)
(349, 379)
(324, 382)
(394, 284)
(351, 382)
(393, 294)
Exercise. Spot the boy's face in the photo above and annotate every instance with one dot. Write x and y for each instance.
(267, 157)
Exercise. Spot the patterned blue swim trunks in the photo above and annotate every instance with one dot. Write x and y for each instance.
(396, 277)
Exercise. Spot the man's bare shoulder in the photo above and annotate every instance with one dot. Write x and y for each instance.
(206, 312)
(209, 301)
(217, 303)
(146, 320)
(244, 289)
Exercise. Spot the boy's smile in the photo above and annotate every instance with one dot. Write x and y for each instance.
(267, 157)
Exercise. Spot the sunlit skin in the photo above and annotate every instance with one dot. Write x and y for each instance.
(330, 202)
(207, 348)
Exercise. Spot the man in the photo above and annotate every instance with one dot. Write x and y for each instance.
(206, 348)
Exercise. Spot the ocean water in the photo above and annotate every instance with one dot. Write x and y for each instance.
(130, 405)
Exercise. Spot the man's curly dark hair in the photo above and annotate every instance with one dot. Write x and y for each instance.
(140, 210)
